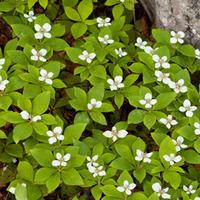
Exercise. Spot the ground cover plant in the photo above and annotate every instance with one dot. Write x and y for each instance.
(91, 109)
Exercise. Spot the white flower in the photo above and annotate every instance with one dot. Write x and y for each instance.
(14, 160)
(122, 1)
(161, 62)
(178, 87)
(26, 116)
(187, 108)
(169, 121)
(3, 84)
(97, 171)
(189, 190)
(150, 50)
(92, 161)
(106, 39)
(148, 101)
(120, 53)
(23, 184)
(103, 22)
(143, 156)
(94, 104)
(162, 77)
(115, 134)
(126, 187)
(88, 57)
(197, 130)
(179, 143)
(141, 44)
(2, 62)
(39, 55)
(161, 191)
(12, 190)
(45, 76)
(172, 158)
(116, 83)
(42, 31)
(61, 160)
(177, 37)
(197, 53)
(55, 135)
(30, 16)
(197, 198)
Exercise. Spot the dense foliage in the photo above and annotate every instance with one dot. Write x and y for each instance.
(91, 111)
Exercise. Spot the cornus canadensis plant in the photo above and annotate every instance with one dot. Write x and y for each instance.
(91, 109)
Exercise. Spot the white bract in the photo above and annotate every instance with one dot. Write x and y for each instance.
(141, 156)
(187, 108)
(115, 134)
(2, 62)
(169, 121)
(55, 135)
(141, 44)
(97, 171)
(116, 83)
(3, 84)
(94, 104)
(172, 158)
(197, 198)
(179, 143)
(61, 160)
(150, 50)
(120, 52)
(42, 31)
(92, 161)
(46, 76)
(178, 87)
(162, 77)
(26, 116)
(197, 53)
(148, 102)
(106, 39)
(122, 1)
(88, 57)
(161, 61)
(177, 37)
(30, 16)
(126, 187)
(197, 128)
(12, 190)
(189, 189)
(103, 22)
(161, 192)
(39, 55)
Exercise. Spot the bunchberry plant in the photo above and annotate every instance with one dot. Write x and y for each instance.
(91, 109)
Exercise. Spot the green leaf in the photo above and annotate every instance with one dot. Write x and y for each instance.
(14, 150)
(140, 174)
(45, 158)
(117, 11)
(78, 29)
(53, 182)
(43, 174)
(110, 190)
(57, 44)
(72, 14)
(21, 30)
(85, 8)
(12, 117)
(191, 156)
(98, 117)
(70, 3)
(43, 3)
(5, 102)
(136, 116)
(173, 178)
(71, 177)
(25, 171)
(166, 148)
(149, 120)
(21, 192)
(161, 36)
(2, 135)
(73, 132)
(18, 57)
(187, 50)
(122, 164)
(22, 131)
(41, 103)
(187, 132)
(164, 99)
(197, 145)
